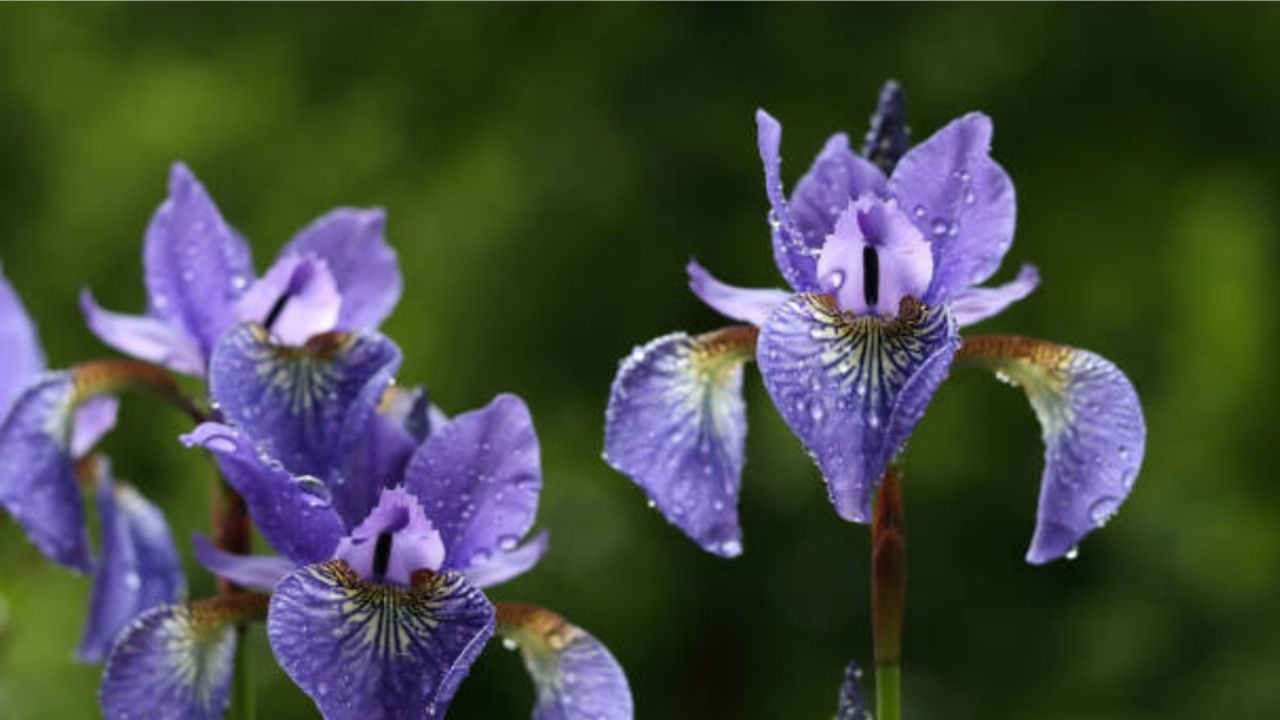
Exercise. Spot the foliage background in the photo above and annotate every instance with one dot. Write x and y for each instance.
(548, 170)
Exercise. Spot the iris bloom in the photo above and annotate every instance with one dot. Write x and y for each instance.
(338, 273)
(884, 253)
(389, 519)
(51, 421)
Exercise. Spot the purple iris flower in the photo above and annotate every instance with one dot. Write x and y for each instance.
(389, 519)
(51, 421)
(884, 253)
(338, 273)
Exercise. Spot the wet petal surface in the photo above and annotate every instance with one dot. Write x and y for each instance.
(145, 338)
(364, 266)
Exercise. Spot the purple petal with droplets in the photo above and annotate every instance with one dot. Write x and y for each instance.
(139, 568)
(146, 338)
(305, 406)
(301, 291)
(362, 650)
(888, 139)
(260, 572)
(742, 304)
(478, 479)
(853, 388)
(294, 513)
(196, 265)
(505, 565)
(363, 264)
(961, 199)
(795, 259)
(973, 305)
(837, 177)
(23, 357)
(676, 425)
(94, 418)
(377, 462)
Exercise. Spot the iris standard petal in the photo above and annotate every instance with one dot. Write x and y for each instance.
(853, 388)
(478, 479)
(296, 298)
(260, 572)
(93, 419)
(139, 566)
(174, 662)
(837, 177)
(676, 425)
(364, 650)
(196, 265)
(294, 513)
(795, 259)
(741, 304)
(888, 138)
(143, 337)
(376, 462)
(1094, 433)
(37, 472)
(973, 305)
(575, 675)
(507, 564)
(851, 706)
(305, 406)
(961, 199)
(23, 357)
(364, 266)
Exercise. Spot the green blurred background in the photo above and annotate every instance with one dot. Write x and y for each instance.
(548, 171)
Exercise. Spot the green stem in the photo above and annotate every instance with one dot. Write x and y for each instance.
(243, 701)
(888, 692)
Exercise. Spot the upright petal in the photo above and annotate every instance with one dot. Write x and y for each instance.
(478, 479)
(296, 298)
(196, 265)
(575, 675)
(294, 513)
(138, 570)
(363, 650)
(365, 267)
(851, 705)
(260, 572)
(888, 138)
(961, 199)
(174, 662)
(146, 338)
(741, 304)
(1094, 433)
(973, 305)
(676, 425)
(838, 176)
(306, 406)
(23, 357)
(853, 388)
(795, 259)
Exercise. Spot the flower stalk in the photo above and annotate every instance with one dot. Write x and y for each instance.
(888, 593)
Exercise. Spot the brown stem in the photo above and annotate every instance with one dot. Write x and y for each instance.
(888, 571)
(111, 374)
(231, 528)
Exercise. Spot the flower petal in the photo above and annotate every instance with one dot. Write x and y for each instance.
(888, 139)
(296, 298)
(973, 305)
(94, 418)
(478, 479)
(294, 513)
(37, 473)
(146, 338)
(576, 676)
(364, 266)
(139, 568)
(363, 650)
(742, 304)
(23, 357)
(196, 265)
(260, 572)
(853, 388)
(305, 406)
(962, 200)
(851, 706)
(505, 565)
(676, 425)
(1094, 433)
(174, 662)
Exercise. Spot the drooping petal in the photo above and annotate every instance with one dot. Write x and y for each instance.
(961, 199)
(478, 479)
(851, 706)
(1094, 433)
(888, 138)
(296, 298)
(742, 304)
(294, 513)
(305, 406)
(363, 650)
(94, 418)
(364, 266)
(196, 265)
(23, 357)
(973, 305)
(575, 675)
(853, 388)
(146, 338)
(260, 572)
(174, 662)
(139, 566)
(37, 472)
(505, 565)
(676, 425)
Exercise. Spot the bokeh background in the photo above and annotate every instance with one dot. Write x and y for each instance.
(548, 171)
